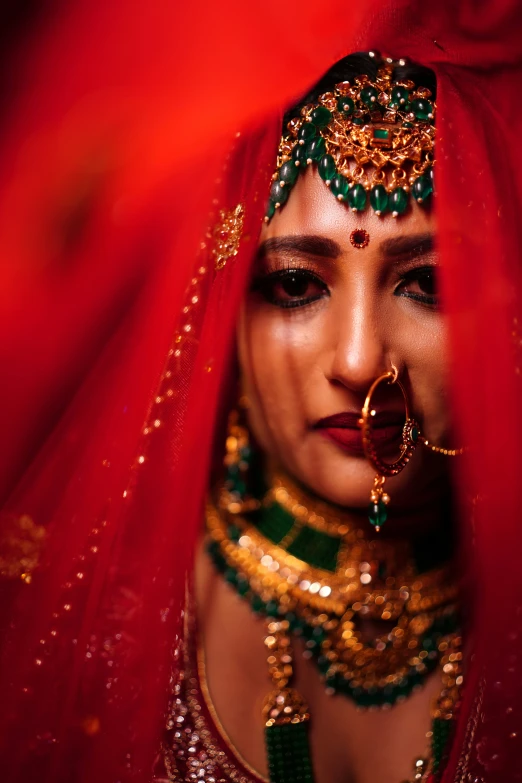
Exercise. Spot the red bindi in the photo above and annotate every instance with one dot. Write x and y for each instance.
(359, 237)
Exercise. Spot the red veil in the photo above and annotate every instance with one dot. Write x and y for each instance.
(126, 129)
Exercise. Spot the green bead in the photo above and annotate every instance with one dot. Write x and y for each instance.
(231, 576)
(258, 605)
(398, 201)
(377, 514)
(357, 198)
(272, 609)
(278, 194)
(299, 156)
(369, 96)
(358, 120)
(321, 116)
(379, 199)
(270, 209)
(345, 104)
(306, 132)
(327, 168)
(400, 96)
(407, 124)
(288, 172)
(422, 109)
(422, 188)
(234, 533)
(315, 149)
(340, 187)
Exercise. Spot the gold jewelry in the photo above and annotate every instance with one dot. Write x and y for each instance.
(360, 238)
(370, 580)
(379, 499)
(411, 437)
(364, 135)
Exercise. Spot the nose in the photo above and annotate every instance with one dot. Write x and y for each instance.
(359, 354)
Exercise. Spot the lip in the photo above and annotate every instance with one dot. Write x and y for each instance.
(344, 430)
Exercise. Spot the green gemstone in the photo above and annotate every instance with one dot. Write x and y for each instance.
(272, 609)
(274, 522)
(307, 132)
(377, 514)
(270, 209)
(299, 155)
(234, 533)
(381, 133)
(340, 187)
(379, 199)
(400, 95)
(315, 149)
(421, 108)
(327, 168)
(258, 605)
(398, 201)
(357, 198)
(278, 194)
(231, 576)
(288, 172)
(315, 547)
(321, 116)
(407, 124)
(414, 434)
(369, 96)
(345, 104)
(422, 188)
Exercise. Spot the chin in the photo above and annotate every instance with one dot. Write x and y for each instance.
(346, 479)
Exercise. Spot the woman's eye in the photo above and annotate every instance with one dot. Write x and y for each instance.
(291, 288)
(420, 285)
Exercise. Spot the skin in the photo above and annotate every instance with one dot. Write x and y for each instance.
(298, 365)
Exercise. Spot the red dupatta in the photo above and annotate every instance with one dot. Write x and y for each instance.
(119, 151)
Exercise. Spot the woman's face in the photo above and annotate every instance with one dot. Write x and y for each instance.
(321, 321)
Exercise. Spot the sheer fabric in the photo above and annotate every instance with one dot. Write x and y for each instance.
(119, 152)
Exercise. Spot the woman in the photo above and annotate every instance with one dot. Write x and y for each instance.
(315, 332)
(336, 298)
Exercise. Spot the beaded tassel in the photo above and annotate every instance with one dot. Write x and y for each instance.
(286, 714)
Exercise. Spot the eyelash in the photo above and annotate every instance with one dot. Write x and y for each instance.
(411, 276)
(264, 285)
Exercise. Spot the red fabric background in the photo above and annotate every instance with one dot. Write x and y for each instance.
(113, 141)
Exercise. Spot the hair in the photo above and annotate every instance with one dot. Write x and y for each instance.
(355, 65)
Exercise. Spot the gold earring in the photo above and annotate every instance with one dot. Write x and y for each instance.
(234, 495)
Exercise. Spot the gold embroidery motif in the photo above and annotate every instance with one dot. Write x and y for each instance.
(20, 544)
(227, 235)
(463, 775)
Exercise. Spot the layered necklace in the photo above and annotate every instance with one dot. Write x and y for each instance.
(303, 565)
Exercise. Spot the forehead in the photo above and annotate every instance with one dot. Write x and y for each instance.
(312, 209)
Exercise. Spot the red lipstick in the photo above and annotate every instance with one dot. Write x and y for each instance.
(344, 430)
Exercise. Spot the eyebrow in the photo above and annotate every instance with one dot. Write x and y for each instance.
(301, 244)
(408, 246)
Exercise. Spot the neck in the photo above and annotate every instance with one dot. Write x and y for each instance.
(423, 534)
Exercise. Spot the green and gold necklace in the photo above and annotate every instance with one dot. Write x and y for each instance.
(303, 565)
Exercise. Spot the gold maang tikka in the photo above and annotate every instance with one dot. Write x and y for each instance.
(411, 437)
(372, 140)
